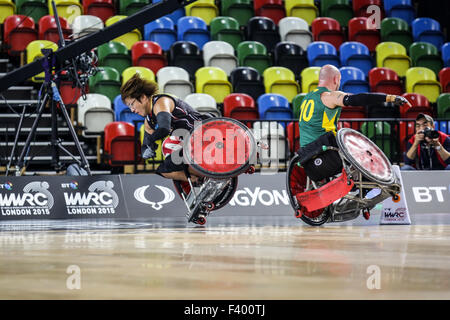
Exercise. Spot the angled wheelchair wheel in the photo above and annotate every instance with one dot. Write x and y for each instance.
(365, 156)
(296, 183)
(220, 148)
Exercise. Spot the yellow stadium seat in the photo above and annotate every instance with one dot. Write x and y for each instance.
(310, 79)
(7, 8)
(128, 38)
(205, 9)
(423, 80)
(34, 52)
(213, 81)
(304, 9)
(159, 156)
(281, 80)
(145, 73)
(393, 55)
(69, 9)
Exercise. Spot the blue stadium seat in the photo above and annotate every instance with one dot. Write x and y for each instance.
(273, 106)
(427, 30)
(353, 80)
(356, 54)
(320, 53)
(161, 31)
(402, 9)
(446, 54)
(174, 16)
(443, 126)
(123, 113)
(193, 29)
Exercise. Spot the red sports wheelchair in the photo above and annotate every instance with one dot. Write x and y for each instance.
(342, 196)
(219, 150)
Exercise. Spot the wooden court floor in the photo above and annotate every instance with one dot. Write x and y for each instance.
(291, 261)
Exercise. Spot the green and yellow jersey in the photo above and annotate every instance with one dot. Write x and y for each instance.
(316, 118)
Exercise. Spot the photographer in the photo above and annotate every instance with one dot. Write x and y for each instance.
(428, 149)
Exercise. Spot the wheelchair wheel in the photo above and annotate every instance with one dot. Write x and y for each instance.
(365, 155)
(296, 183)
(220, 148)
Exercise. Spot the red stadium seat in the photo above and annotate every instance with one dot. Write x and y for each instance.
(148, 54)
(444, 77)
(119, 142)
(360, 8)
(359, 29)
(293, 134)
(385, 80)
(48, 29)
(18, 32)
(103, 9)
(240, 106)
(69, 94)
(406, 131)
(328, 30)
(273, 9)
(353, 113)
(419, 104)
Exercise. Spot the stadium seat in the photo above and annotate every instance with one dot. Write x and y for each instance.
(119, 145)
(129, 38)
(240, 106)
(356, 54)
(292, 56)
(443, 106)
(446, 54)
(48, 30)
(68, 9)
(203, 103)
(424, 54)
(143, 72)
(443, 126)
(386, 81)
(273, 9)
(396, 30)
(328, 30)
(186, 54)
(241, 10)
(293, 135)
(393, 55)
(193, 29)
(427, 30)
(85, 24)
(351, 113)
(33, 51)
(213, 81)
(310, 79)
(106, 82)
(304, 9)
(18, 32)
(204, 9)
(220, 54)
(402, 9)
(382, 134)
(35, 9)
(104, 9)
(69, 93)
(226, 29)
(340, 10)
(247, 80)
(382, 110)
(253, 54)
(174, 80)
(423, 80)
(296, 104)
(273, 106)
(161, 31)
(444, 77)
(406, 131)
(272, 134)
(360, 7)
(296, 30)
(94, 113)
(7, 8)
(263, 30)
(114, 54)
(320, 53)
(148, 54)
(361, 30)
(281, 80)
(130, 7)
(419, 104)
(175, 15)
(123, 113)
(353, 80)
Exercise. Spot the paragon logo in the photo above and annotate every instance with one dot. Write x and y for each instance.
(168, 196)
(267, 198)
(429, 194)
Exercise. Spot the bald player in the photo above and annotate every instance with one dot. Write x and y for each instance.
(321, 108)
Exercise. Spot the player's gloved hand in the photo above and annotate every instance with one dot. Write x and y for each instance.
(147, 152)
(399, 101)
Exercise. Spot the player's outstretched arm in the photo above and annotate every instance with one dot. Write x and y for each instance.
(338, 98)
